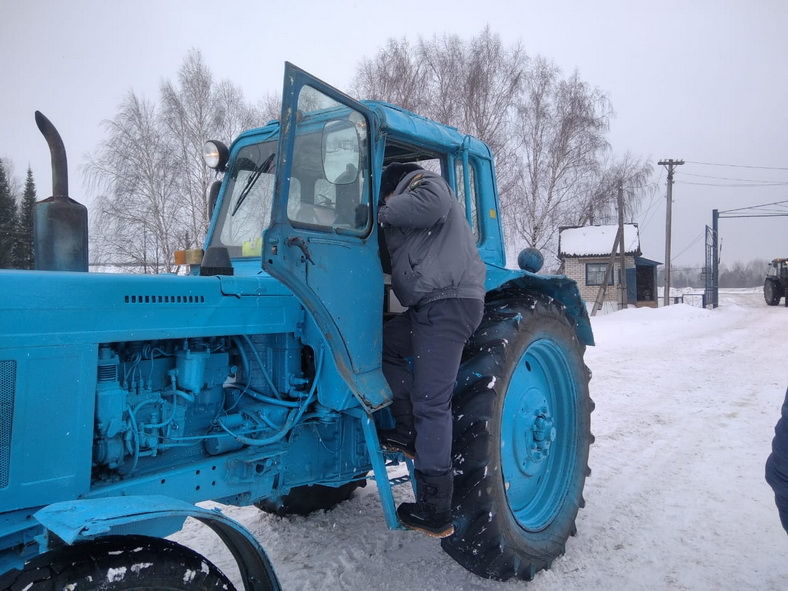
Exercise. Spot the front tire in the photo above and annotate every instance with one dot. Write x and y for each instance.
(521, 439)
(120, 563)
(771, 292)
(303, 500)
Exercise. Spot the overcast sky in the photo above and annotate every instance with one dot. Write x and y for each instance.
(706, 81)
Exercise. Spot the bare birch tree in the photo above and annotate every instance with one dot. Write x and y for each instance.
(139, 218)
(548, 132)
(396, 75)
(472, 85)
(194, 110)
(562, 124)
(151, 171)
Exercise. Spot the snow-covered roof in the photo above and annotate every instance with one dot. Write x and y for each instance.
(590, 241)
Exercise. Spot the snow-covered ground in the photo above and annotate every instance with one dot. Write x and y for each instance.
(686, 401)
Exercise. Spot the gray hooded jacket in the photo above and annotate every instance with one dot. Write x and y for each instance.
(433, 251)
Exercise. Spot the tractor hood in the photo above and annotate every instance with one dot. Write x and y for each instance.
(60, 308)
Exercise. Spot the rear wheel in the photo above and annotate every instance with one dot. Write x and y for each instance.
(303, 500)
(771, 292)
(120, 563)
(521, 439)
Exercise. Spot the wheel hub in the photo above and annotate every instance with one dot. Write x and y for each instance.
(543, 433)
(534, 435)
(537, 434)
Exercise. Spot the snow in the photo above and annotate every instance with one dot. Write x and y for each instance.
(597, 240)
(116, 574)
(686, 401)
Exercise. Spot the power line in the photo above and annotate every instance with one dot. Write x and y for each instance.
(736, 165)
(690, 245)
(755, 206)
(725, 178)
(648, 214)
(752, 185)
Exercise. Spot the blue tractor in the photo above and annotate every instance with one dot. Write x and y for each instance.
(256, 378)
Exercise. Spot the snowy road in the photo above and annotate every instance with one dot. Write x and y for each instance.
(686, 401)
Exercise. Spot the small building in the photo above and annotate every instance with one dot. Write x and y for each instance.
(584, 252)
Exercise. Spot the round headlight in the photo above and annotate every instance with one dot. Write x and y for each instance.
(215, 154)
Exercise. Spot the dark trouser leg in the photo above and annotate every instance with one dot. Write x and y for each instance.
(440, 331)
(397, 348)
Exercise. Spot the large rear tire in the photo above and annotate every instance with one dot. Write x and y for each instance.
(303, 500)
(120, 563)
(521, 439)
(772, 292)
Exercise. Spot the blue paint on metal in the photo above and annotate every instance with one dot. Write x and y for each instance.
(348, 312)
(538, 435)
(558, 287)
(127, 387)
(379, 466)
(21, 538)
(81, 520)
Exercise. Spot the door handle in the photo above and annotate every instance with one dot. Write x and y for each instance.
(301, 244)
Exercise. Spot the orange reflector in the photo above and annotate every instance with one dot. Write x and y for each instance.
(180, 257)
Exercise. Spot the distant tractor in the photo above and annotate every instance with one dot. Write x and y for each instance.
(776, 284)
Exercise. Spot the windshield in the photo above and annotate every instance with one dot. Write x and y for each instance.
(246, 206)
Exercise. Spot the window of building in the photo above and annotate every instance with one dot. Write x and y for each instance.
(595, 274)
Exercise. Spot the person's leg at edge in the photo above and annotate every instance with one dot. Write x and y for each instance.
(397, 349)
(440, 331)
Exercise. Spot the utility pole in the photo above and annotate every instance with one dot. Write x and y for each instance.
(671, 164)
(715, 258)
(622, 282)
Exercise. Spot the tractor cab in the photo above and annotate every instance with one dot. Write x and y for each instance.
(299, 199)
(778, 268)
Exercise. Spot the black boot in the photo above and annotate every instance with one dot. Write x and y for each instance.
(399, 440)
(431, 513)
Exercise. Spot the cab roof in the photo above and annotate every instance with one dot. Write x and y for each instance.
(413, 127)
(408, 127)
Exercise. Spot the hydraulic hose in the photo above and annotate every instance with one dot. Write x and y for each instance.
(259, 396)
(292, 417)
(261, 364)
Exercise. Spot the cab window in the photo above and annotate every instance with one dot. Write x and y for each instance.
(329, 187)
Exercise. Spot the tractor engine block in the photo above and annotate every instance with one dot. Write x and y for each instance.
(187, 397)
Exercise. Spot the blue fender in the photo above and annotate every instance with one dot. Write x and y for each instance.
(558, 287)
(82, 520)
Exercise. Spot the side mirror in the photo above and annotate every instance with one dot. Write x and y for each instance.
(341, 152)
(213, 195)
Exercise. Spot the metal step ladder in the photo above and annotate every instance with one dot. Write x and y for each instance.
(381, 461)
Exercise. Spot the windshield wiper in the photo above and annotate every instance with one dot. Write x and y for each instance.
(264, 166)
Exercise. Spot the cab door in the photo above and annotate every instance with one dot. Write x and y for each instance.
(322, 240)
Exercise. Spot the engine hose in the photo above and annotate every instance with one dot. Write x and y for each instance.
(261, 364)
(259, 396)
(135, 433)
(144, 426)
(292, 417)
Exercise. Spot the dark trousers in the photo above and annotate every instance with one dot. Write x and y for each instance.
(422, 348)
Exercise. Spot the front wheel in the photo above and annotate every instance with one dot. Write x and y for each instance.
(121, 563)
(521, 439)
(771, 292)
(303, 500)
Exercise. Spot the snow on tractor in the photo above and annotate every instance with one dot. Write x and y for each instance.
(256, 378)
(775, 286)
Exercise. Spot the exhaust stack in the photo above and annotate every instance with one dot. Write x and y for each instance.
(60, 224)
